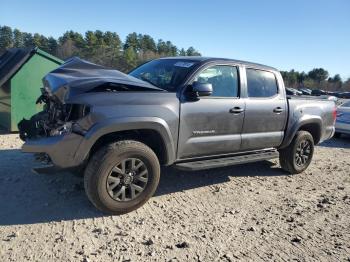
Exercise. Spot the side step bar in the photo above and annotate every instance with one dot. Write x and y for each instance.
(227, 161)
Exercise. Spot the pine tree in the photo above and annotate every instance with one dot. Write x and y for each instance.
(18, 40)
(130, 57)
(192, 52)
(132, 41)
(182, 52)
(6, 38)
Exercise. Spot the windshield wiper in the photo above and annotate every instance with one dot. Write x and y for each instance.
(148, 81)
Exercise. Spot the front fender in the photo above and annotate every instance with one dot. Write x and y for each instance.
(112, 125)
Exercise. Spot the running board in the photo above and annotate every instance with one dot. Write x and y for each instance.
(227, 161)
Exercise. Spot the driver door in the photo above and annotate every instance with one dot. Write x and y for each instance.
(212, 125)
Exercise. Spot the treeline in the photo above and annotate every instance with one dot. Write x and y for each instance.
(105, 48)
(317, 78)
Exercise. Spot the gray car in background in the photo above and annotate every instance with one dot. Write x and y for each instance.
(192, 113)
(342, 124)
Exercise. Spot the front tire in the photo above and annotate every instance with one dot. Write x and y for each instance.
(298, 155)
(121, 176)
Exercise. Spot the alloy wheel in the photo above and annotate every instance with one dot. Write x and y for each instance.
(127, 179)
(303, 153)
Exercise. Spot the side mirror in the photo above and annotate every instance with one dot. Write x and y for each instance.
(202, 89)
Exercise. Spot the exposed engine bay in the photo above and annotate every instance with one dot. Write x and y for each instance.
(55, 119)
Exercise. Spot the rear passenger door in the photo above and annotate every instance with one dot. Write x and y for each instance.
(265, 112)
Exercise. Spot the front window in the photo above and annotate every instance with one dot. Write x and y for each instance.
(224, 80)
(166, 74)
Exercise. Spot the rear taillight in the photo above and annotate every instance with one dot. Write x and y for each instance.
(334, 114)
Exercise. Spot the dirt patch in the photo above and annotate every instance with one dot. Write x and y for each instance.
(248, 212)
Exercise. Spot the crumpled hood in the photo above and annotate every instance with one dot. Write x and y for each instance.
(77, 76)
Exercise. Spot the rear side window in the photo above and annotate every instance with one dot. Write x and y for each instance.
(261, 83)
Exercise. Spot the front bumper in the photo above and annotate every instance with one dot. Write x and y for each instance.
(60, 149)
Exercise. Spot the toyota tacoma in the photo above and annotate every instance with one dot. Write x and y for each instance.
(190, 112)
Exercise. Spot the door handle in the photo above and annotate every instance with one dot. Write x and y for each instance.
(236, 110)
(278, 110)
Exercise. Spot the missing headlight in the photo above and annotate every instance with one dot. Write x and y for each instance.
(76, 111)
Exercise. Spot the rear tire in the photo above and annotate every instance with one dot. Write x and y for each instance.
(298, 155)
(121, 176)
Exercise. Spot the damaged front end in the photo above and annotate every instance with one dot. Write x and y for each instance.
(73, 78)
(55, 133)
(55, 119)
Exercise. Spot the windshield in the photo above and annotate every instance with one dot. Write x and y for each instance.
(166, 74)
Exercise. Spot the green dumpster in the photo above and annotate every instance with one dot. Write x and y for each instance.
(21, 72)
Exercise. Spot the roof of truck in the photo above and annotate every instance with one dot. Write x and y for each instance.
(204, 59)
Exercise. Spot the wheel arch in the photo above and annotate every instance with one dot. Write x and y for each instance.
(152, 131)
(314, 129)
(313, 125)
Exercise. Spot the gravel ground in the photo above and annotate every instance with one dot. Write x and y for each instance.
(249, 212)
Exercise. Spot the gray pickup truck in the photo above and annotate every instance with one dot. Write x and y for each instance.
(190, 112)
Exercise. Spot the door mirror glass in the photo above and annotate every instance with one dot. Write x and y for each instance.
(202, 89)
